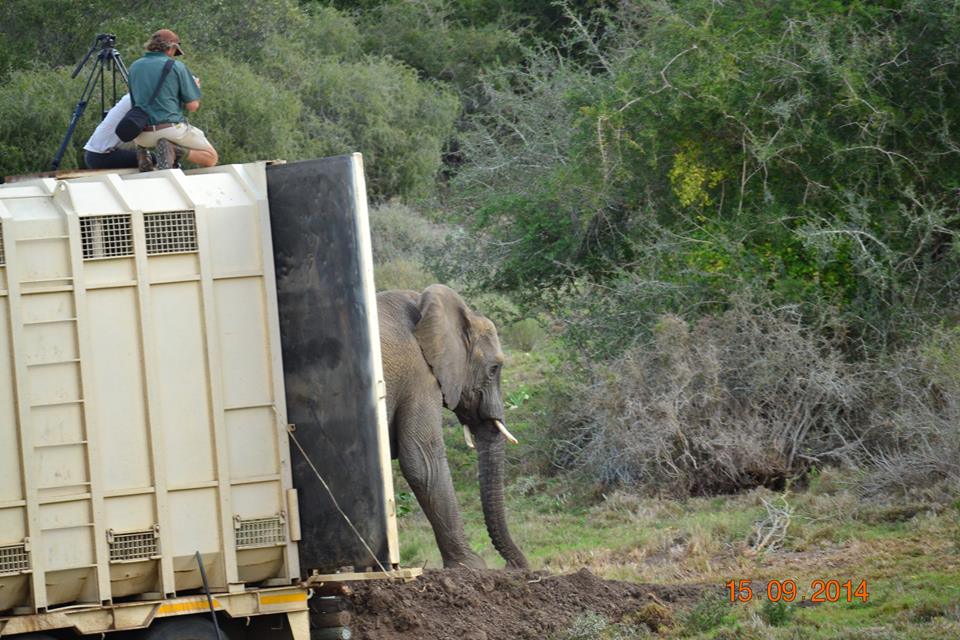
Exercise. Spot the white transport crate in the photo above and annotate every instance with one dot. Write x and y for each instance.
(142, 414)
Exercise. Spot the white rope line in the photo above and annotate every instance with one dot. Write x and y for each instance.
(335, 503)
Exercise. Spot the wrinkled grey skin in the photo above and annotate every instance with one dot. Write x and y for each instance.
(438, 353)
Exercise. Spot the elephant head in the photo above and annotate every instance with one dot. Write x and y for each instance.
(463, 350)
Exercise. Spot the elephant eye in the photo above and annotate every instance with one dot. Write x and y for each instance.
(494, 369)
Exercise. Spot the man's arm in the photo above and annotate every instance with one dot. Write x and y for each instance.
(189, 89)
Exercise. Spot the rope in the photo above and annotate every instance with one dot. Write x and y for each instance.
(335, 503)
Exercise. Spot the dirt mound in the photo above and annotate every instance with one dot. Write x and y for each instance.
(463, 604)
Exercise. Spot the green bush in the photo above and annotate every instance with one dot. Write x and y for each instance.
(776, 614)
(496, 306)
(59, 32)
(428, 36)
(381, 108)
(74, 26)
(400, 232)
(690, 150)
(523, 335)
(402, 274)
(401, 237)
(237, 103)
(713, 610)
(376, 106)
(35, 109)
(280, 80)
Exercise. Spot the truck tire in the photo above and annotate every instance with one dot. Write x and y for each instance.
(186, 628)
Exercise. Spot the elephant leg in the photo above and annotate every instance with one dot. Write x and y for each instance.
(423, 461)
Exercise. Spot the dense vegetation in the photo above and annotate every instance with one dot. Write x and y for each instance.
(736, 222)
(720, 240)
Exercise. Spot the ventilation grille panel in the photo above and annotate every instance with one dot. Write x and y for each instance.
(14, 559)
(3, 258)
(106, 236)
(170, 232)
(260, 532)
(135, 545)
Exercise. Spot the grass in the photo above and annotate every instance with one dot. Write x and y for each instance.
(909, 552)
(912, 568)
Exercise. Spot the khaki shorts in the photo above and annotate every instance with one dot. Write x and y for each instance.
(182, 133)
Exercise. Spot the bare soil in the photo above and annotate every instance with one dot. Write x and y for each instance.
(465, 604)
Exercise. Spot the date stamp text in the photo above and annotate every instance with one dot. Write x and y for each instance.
(788, 590)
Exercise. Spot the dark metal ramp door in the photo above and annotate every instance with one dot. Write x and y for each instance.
(330, 342)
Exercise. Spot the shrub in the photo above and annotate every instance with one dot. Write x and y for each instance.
(496, 306)
(318, 31)
(376, 106)
(592, 626)
(59, 32)
(35, 109)
(239, 105)
(523, 335)
(712, 611)
(381, 108)
(36, 41)
(914, 415)
(586, 627)
(428, 36)
(400, 232)
(401, 237)
(695, 147)
(279, 80)
(402, 274)
(776, 614)
(754, 396)
(749, 397)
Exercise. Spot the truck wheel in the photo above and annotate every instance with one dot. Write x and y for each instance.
(188, 628)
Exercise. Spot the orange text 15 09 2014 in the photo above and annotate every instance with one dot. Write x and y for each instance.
(820, 590)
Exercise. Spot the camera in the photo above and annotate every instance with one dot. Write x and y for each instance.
(106, 40)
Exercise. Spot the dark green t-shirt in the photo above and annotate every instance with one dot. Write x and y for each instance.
(178, 87)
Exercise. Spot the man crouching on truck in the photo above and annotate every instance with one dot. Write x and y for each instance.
(168, 130)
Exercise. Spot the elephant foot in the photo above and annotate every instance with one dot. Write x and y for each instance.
(469, 560)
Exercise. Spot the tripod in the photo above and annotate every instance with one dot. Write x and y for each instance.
(108, 58)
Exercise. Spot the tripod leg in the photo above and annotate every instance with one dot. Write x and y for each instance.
(95, 73)
(103, 106)
(122, 68)
(117, 68)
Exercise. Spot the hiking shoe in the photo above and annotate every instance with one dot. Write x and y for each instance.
(166, 154)
(145, 161)
(180, 154)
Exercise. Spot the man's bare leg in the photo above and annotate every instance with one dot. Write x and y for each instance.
(203, 157)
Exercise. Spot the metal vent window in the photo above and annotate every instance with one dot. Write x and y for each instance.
(106, 236)
(135, 545)
(14, 559)
(260, 532)
(170, 232)
(3, 258)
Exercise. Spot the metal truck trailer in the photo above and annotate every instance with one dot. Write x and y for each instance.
(144, 399)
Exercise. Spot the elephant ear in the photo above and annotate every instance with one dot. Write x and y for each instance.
(443, 336)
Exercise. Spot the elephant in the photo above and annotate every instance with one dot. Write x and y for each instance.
(438, 353)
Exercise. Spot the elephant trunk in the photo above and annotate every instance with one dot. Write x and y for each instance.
(490, 458)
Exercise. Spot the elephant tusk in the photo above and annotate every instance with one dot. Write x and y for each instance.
(506, 434)
(468, 437)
